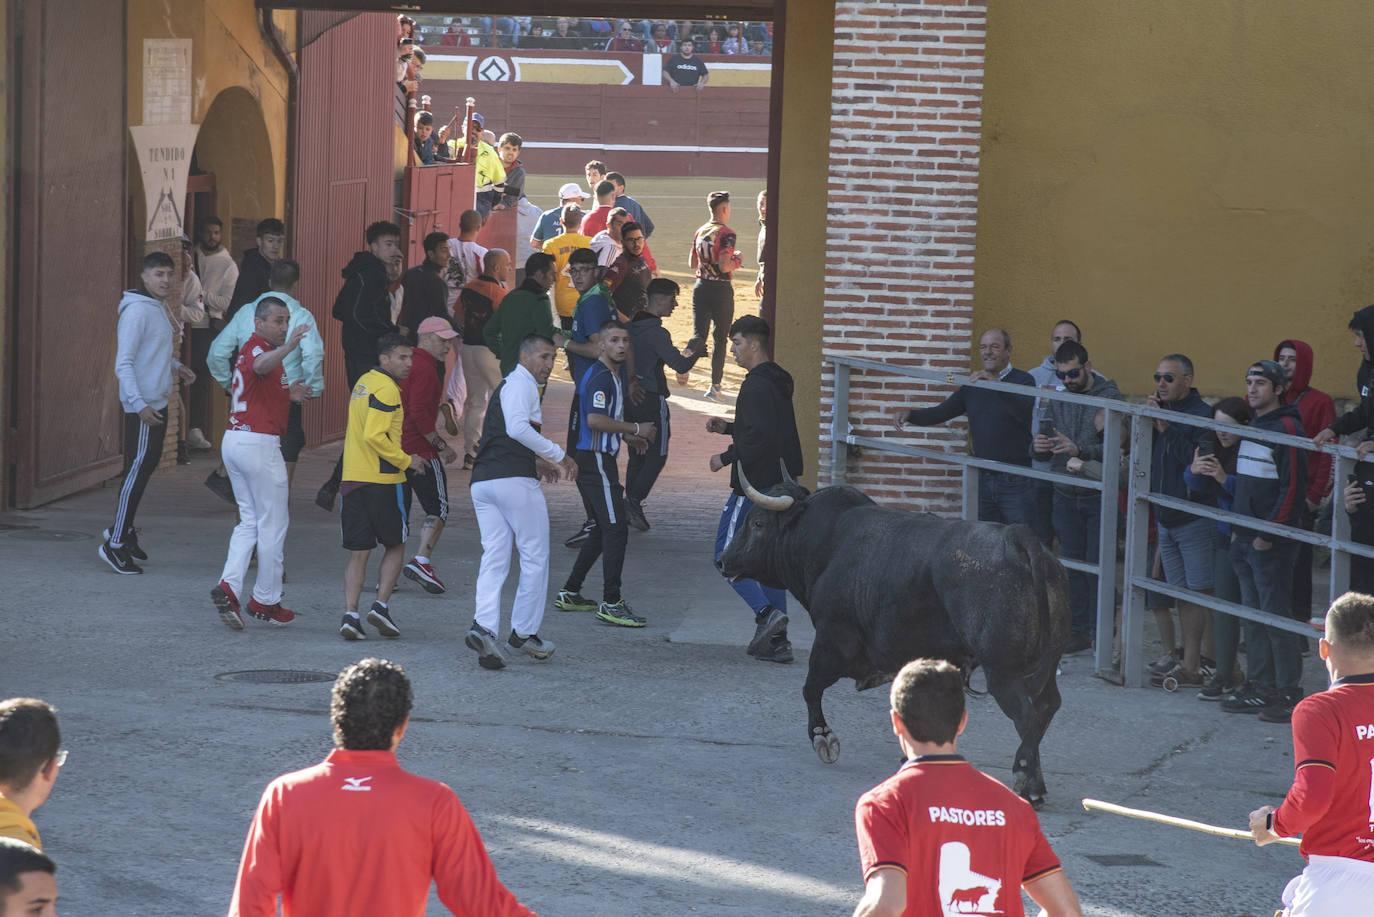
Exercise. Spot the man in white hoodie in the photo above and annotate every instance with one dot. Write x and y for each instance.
(143, 366)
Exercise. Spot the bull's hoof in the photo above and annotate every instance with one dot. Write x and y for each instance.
(827, 746)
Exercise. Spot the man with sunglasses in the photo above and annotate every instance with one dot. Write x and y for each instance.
(30, 759)
(999, 425)
(1185, 541)
(1077, 511)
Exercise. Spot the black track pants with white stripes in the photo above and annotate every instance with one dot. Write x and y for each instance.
(142, 452)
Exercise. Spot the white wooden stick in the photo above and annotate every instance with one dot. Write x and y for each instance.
(1147, 815)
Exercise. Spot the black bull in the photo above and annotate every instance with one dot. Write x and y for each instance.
(884, 586)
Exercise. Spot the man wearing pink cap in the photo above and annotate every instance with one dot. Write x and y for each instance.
(421, 392)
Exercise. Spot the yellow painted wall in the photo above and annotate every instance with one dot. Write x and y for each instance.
(804, 164)
(1178, 176)
(229, 53)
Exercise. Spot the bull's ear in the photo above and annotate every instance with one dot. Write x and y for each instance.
(793, 513)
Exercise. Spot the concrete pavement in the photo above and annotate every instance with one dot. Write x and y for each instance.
(652, 771)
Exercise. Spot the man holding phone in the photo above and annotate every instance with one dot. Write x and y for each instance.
(999, 425)
(143, 366)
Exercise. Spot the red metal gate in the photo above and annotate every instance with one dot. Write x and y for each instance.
(346, 132)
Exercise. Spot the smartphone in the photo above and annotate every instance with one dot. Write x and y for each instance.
(1206, 447)
(1046, 427)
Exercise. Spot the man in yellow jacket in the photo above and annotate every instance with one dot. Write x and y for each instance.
(374, 469)
(30, 759)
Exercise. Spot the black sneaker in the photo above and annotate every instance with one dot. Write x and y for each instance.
(767, 624)
(634, 513)
(1207, 667)
(779, 649)
(1215, 689)
(620, 614)
(483, 643)
(118, 559)
(324, 497)
(380, 618)
(533, 644)
(1247, 700)
(574, 601)
(1281, 710)
(219, 486)
(130, 544)
(352, 627)
(580, 535)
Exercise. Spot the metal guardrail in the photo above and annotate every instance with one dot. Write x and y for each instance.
(1134, 574)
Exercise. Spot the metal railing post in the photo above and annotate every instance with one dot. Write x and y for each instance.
(839, 425)
(1106, 541)
(1340, 529)
(969, 488)
(1137, 554)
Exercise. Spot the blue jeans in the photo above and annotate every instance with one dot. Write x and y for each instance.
(1273, 657)
(1077, 521)
(756, 595)
(507, 29)
(1004, 498)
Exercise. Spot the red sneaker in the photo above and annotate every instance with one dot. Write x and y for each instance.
(274, 612)
(227, 604)
(424, 575)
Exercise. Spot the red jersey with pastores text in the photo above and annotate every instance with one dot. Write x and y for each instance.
(966, 843)
(357, 836)
(1331, 803)
(258, 404)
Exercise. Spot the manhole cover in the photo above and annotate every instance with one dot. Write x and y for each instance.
(48, 535)
(1121, 859)
(277, 676)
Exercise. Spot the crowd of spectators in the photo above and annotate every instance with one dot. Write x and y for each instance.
(1276, 484)
(568, 33)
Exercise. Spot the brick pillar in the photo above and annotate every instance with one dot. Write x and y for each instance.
(906, 119)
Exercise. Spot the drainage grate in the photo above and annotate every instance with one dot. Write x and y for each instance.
(277, 676)
(48, 535)
(1121, 859)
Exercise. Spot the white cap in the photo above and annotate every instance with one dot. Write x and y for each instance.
(571, 189)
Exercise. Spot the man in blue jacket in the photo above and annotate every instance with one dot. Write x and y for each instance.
(1185, 541)
(1270, 481)
(999, 425)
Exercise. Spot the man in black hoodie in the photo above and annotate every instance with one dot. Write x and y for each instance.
(765, 437)
(256, 268)
(363, 306)
(1360, 417)
(1270, 482)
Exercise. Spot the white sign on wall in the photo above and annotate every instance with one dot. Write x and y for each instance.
(164, 156)
(166, 81)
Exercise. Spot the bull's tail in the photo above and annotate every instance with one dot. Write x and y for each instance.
(1050, 584)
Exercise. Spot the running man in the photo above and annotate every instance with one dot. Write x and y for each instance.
(1331, 802)
(420, 395)
(593, 310)
(143, 365)
(509, 505)
(374, 467)
(940, 837)
(259, 401)
(601, 427)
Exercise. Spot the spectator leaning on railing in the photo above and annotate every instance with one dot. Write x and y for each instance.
(1269, 486)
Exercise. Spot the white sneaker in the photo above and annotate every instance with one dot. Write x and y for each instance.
(197, 441)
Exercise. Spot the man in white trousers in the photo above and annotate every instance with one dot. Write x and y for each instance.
(260, 400)
(514, 455)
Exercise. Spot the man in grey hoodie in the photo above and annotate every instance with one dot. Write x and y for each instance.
(143, 366)
(1077, 511)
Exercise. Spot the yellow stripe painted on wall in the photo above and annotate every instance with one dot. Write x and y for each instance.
(725, 75)
(592, 73)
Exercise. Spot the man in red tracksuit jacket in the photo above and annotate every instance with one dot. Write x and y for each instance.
(1318, 412)
(421, 393)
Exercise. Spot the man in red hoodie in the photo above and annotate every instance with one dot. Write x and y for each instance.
(420, 395)
(1318, 412)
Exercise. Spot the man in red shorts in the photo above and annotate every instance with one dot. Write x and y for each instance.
(260, 400)
(1331, 802)
(356, 834)
(941, 838)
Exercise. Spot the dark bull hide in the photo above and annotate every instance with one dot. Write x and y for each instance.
(885, 586)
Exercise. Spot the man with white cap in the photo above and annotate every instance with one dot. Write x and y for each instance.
(421, 392)
(551, 221)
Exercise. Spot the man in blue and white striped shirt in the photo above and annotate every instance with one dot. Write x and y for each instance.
(601, 427)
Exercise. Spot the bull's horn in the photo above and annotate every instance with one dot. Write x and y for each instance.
(775, 504)
(786, 475)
